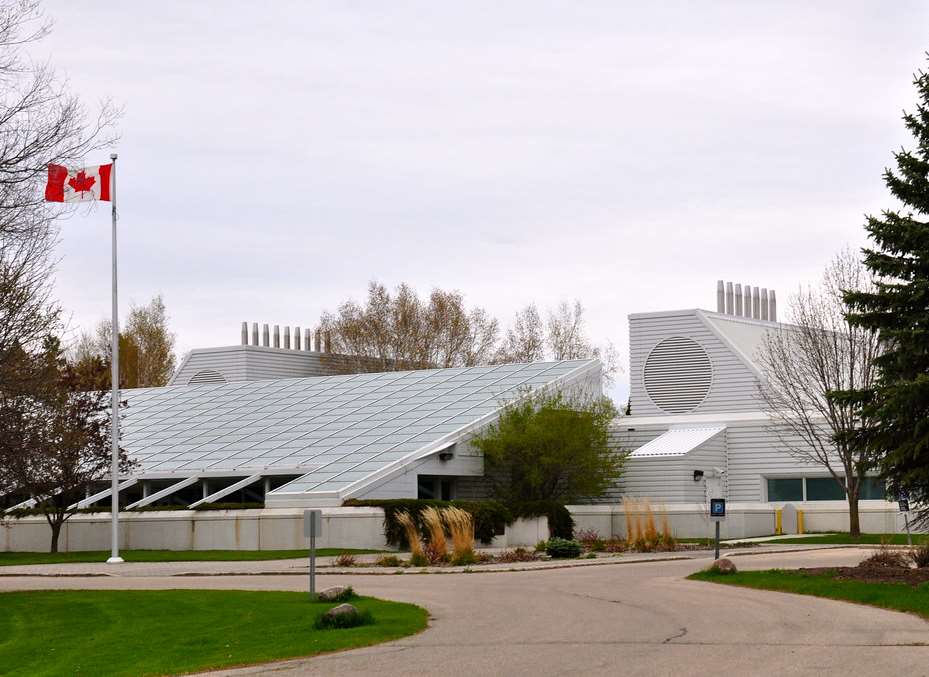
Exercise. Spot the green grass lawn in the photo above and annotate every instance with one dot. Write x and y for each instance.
(846, 539)
(159, 632)
(896, 596)
(21, 558)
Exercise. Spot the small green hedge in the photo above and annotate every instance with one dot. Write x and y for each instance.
(490, 517)
(562, 548)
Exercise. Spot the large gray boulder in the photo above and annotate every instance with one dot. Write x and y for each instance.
(342, 610)
(724, 566)
(332, 594)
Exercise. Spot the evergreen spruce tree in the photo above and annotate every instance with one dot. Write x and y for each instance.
(897, 407)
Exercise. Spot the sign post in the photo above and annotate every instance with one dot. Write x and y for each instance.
(312, 527)
(903, 502)
(717, 514)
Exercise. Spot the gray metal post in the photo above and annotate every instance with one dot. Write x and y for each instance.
(906, 521)
(717, 539)
(313, 559)
(114, 392)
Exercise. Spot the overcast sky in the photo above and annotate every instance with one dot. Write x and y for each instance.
(275, 157)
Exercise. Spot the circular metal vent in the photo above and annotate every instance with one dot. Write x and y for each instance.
(206, 376)
(678, 375)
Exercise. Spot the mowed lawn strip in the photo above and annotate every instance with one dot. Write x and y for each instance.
(895, 596)
(160, 632)
(23, 558)
(846, 539)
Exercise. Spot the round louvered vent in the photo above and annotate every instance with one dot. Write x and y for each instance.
(206, 376)
(678, 375)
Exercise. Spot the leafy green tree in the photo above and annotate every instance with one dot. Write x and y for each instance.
(551, 447)
(898, 309)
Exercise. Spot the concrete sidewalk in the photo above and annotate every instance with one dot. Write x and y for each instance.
(326, 565)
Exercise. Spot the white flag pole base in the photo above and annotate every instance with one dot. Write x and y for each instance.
(115, 560)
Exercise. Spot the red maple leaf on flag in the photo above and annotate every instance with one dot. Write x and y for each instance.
(82, 183)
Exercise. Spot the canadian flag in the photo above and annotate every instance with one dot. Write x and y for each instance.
(78, 185)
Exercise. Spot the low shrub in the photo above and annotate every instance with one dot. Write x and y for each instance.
(920, 556)
(587, 536)
(389, 561)
(342, 621)
(886, 557)
(517, 555)
(562, 548)
(614, 545)
(419, 560)
(345, 559)
(540, 546)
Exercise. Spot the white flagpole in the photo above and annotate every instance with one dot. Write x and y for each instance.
(114, 395)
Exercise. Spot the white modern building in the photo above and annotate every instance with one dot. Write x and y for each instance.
(272, 422)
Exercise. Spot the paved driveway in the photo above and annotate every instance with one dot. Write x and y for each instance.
(626, 619)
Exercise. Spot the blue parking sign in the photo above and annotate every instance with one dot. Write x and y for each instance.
(718, 507)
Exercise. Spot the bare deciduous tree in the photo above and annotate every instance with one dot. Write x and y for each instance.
(146, 346)
(401, 331)
(40, 123)
(562, 337)
(816, 354)
(55, 433)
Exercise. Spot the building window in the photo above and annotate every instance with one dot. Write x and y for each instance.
(785, 489)
(872, 489)
(820, 489)
(435, 488)
(823, 489)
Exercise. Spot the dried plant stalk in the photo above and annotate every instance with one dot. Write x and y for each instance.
(412, 533)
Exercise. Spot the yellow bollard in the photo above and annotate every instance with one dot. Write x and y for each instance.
(778, 525)
(799, 521)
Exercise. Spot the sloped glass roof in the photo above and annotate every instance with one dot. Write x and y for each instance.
(334, 430)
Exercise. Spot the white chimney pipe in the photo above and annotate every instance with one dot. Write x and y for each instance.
(720, 297)
(245, 333)
(729, 303)
(296, 338)
(306, 340)
(756, 304)
(738, 300)
(764, 304)
(277, 336)
(772, 303)
(747, 307)
(265, 336)
(254, 333)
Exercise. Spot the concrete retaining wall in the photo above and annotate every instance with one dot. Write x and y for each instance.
(744, 520)
(268, 529)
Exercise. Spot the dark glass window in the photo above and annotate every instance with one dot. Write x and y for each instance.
(785, 489)
(872, 489)
(425, 488)
(823, 489)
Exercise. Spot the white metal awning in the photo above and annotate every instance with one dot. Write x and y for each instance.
(678, 441)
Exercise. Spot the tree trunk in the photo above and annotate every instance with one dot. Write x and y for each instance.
(56, 532)
(854, 525)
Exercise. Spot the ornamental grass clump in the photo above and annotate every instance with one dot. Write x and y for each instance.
(436, 548)
(920, 556)
(417, 555)
(345, 559)
(461, 527)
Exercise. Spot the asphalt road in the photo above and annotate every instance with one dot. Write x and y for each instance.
(625, 619)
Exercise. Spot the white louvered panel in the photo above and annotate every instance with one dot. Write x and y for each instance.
(206, 376)
(678, 375)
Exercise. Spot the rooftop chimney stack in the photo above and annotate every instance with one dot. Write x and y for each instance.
(265, 336)
(306, 340)
(319, 341)
(286, 338)
(277, 336)
(245, 333)
(254, 333)
(739, 300)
